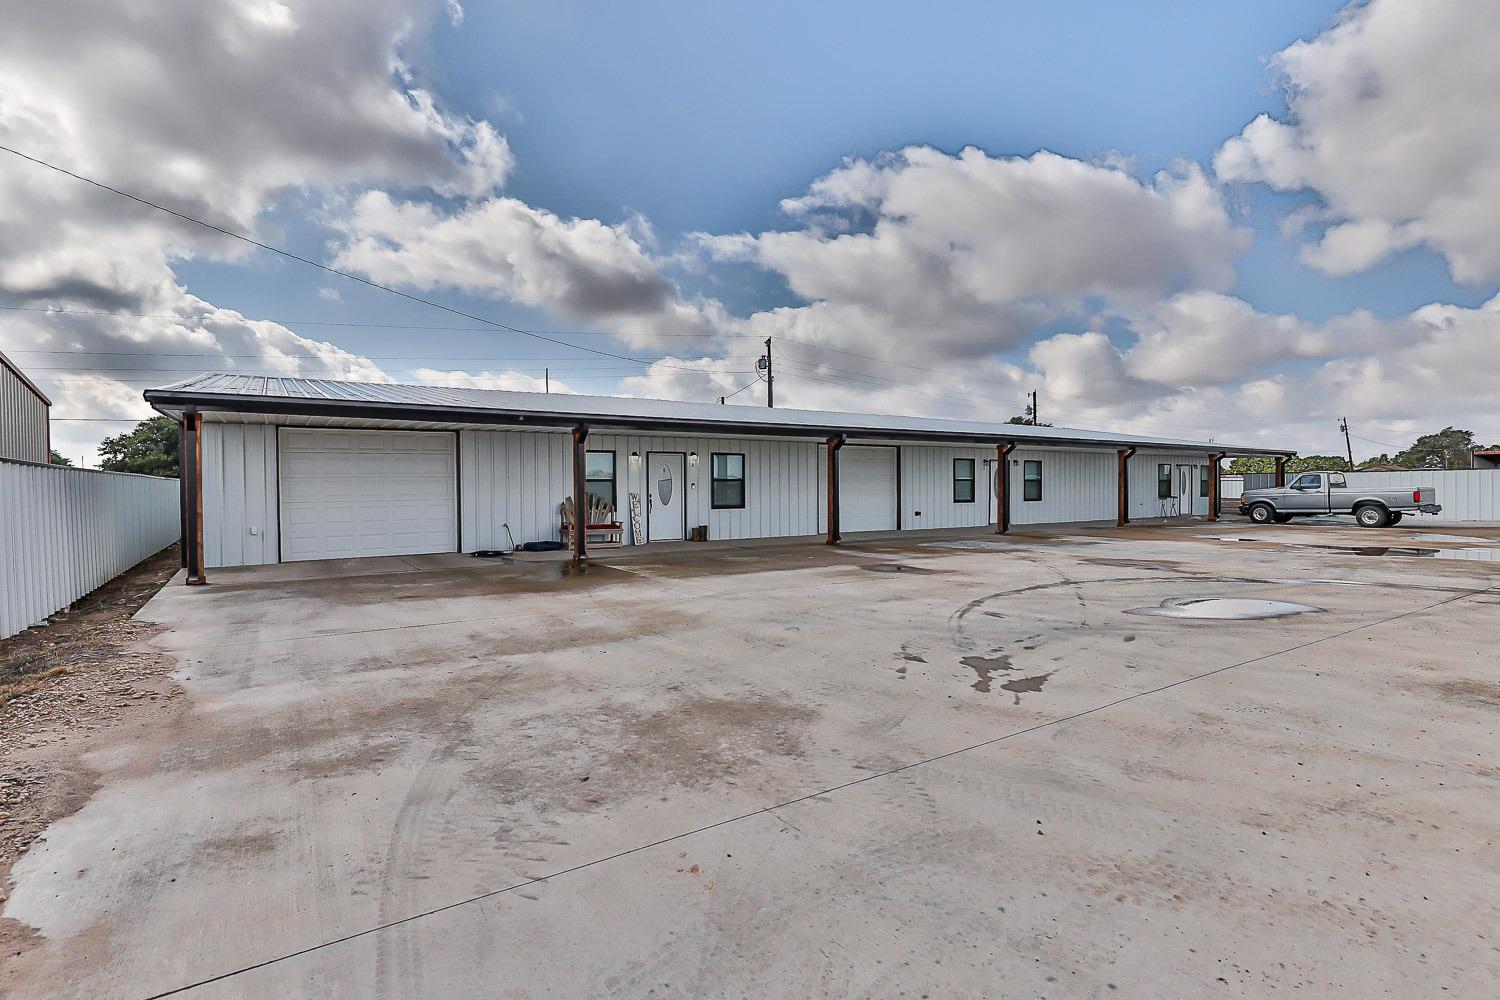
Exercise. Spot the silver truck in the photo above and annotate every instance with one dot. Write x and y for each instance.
(1311, 493)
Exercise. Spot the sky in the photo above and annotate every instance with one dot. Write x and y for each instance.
(1237, 222)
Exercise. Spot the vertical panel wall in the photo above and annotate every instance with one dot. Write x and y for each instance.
(512, 478)
(927, 488)
(784, 483)
(64, 532)
(1143, 499)
(240, 519)
(1464, 495)
(1076, 486)
(23, 420)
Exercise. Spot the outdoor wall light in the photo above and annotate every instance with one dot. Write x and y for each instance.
(635, 458)
(692, 458)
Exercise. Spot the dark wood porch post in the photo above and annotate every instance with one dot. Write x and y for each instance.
(1280, 470)
(834, 444)
(182, 489)
(1002, 486)
(1122, 518)
(192, 491)
(1213, 485)
(580, 493)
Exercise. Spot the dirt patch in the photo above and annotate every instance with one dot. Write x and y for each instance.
(628, 751)
(67, 689)
(1485, 694)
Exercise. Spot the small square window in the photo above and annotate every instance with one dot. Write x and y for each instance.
(1031, 480)
(963, 480)
(727, 489)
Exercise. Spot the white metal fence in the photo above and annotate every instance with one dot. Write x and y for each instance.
(64, 532)
(1464, 495)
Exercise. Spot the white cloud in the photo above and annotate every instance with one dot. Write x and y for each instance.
(221, 111)
(1394, 120)
(581, 270)
(968, 254)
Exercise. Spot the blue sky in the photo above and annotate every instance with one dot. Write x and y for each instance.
(650, 146)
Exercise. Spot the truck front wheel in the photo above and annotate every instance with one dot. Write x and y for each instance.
(1372, 516)
(1262, 513)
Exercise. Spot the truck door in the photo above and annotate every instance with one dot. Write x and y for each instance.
(1305, 494)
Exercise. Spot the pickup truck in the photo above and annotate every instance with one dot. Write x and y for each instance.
(1312, 493)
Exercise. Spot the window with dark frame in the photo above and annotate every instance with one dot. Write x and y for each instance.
(963, 480)
(727, 490)
(1031, 480)
(599, 474)
(1163, 481)
(1203, 481)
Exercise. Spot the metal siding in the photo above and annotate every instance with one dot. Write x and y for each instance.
(927, 486)
(239, 493)
(1076, 486)
(23, 420)
(515, 478)
(778, 500)
(65, 532)
(1464, 494)
(1144, 502)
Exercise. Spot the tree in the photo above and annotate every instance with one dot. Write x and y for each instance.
(150, 449)
(1449, 448)
(1027, 421)
(57, 459)
(1298, 463)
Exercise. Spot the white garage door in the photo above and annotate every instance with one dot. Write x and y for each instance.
(867, 488)
(366, 493)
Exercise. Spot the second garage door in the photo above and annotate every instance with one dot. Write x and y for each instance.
(366, 493)
(867, 488)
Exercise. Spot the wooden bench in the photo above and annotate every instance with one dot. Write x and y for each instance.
(599, 520)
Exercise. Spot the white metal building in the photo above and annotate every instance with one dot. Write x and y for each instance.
(25, 433)
(281, 469)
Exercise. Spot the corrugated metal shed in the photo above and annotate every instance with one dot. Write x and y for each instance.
(24, 432)
(231, 393)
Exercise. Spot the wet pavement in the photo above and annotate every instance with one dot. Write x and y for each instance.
(946, 767)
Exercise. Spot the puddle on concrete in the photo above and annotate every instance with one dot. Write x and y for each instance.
(913, 658)
(1223, 609)
(1315, 581)
(1025, 685)
(897, 568)
(1464, 539)
(985, 667)
(1480, 555)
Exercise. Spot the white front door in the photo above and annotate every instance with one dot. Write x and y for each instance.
(666, 492)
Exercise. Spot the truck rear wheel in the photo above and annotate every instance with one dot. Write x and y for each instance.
(1371, 515)
(1261, 513)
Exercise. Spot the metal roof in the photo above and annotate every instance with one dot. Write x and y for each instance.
(227, 392)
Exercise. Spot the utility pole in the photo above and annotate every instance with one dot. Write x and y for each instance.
(547, 381)
(766, 366)
(1344, 426)
(721, 400)
(1032, 408)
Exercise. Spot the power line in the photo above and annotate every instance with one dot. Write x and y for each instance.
(55, 311)
(326, 267)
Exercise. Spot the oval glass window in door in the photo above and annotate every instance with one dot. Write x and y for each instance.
(664, 485)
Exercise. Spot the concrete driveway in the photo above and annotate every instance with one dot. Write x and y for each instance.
(949, 767)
